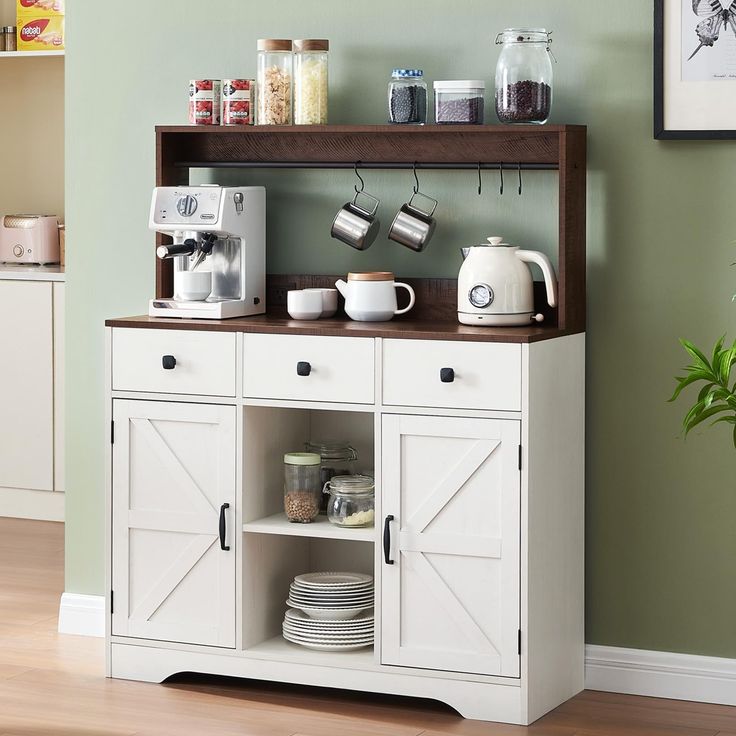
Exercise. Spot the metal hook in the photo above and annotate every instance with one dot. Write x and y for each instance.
(362, 183)
(480, 181)
(416, 178)
(500, 171)
(519, 178)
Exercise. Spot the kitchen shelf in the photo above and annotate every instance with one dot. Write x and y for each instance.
(320, 528)
(179, 148)
(28, 54)
(279, 649)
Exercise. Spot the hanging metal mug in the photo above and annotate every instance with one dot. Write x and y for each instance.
(355, 225)
(412, 226)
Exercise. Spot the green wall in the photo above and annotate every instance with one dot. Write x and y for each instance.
(660, 511)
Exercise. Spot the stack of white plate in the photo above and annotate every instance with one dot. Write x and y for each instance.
(330, 611)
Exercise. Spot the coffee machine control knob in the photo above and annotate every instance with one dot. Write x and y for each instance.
(186, 206)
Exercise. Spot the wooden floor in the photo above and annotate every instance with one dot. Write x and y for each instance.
(53, 685)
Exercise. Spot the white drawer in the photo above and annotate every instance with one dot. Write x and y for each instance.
(205, 362)
(486, 375)
(339, 369)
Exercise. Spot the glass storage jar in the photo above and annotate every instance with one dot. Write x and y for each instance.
(351, 501)
(337, 457)
(302, 487)
(459, 101)
(407, 97)
(275, 81)
(310, 81)
(524, 76)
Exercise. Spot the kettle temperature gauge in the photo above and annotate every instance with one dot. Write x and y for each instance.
(481, 296)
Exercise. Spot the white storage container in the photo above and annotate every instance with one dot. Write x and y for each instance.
(459, 101)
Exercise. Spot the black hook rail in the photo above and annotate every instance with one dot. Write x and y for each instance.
(438, 165)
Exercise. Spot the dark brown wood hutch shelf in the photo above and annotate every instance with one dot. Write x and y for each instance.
(557, 147)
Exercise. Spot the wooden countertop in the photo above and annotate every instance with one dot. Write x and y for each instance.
(397, 328)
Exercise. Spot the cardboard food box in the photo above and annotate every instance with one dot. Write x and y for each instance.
(38, 8)
(44, 33)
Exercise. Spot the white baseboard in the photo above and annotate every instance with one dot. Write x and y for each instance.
(661, 674)
(22, 503)
(82, 614)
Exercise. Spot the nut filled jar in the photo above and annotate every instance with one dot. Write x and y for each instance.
(352, 500)
(275, 81)
(524, 76)
(302, 486)
(337, 457)
(407, 97)
(310, 81)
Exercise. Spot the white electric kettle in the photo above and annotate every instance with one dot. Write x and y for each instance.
(495, 286)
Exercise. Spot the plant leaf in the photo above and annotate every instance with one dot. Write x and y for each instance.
(685, 381)
(696, 354)
(698, 417)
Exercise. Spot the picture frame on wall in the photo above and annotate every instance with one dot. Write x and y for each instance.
(694, 69)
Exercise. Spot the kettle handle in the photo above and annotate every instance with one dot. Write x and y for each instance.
(533, 256)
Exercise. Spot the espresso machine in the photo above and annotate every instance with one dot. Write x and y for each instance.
(218, 249)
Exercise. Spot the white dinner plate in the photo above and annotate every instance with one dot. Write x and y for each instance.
(328, 647)
(335, 629)
(332, 579)
(294, 614)
(337, 603)
(337, 638)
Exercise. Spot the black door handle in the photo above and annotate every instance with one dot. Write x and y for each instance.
(168, 362)
(387, 539)
(447, 375)
(223, 530)
(303, 368)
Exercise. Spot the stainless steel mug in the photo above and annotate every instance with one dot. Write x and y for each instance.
(355, 225)
(412, 226)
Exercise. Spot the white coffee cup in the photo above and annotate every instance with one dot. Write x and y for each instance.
(329, 301)
(304, 304)
(192, 286)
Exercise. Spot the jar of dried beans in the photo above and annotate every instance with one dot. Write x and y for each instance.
(310, 81)
(302, 486)
(524, 76)
(407, 97)
(275, 81)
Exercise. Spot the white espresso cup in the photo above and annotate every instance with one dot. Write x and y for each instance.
(304, 304)
(329, 301)
(371, 297)
(192, 286)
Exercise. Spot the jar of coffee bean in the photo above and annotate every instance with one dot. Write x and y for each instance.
(524, 76)
(459, 101)
(407, 97)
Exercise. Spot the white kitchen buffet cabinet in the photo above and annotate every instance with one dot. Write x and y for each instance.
(477, 552)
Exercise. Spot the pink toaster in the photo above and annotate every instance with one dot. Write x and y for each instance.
(29, 239)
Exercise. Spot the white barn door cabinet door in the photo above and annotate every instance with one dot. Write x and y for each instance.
(174, 541)
(451, 574)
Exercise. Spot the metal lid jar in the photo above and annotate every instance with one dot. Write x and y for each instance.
(524, 76)
(302, 486)
(352, 500)
(407, 97)
(310, 81)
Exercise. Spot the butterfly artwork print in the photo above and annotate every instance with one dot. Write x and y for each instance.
(718, 15)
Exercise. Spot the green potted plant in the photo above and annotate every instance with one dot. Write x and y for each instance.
(717, 397)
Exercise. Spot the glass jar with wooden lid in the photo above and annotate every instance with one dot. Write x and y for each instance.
(310, 81)
(275, 81)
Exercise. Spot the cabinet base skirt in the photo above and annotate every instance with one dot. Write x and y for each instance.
(473, 700)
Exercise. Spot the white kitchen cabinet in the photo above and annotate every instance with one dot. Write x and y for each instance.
(451, 504)
(479, 587)
(31, 398)
(174, 503)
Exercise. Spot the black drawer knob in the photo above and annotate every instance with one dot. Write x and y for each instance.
(168, 362)
(303, 368)
(447, 375)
